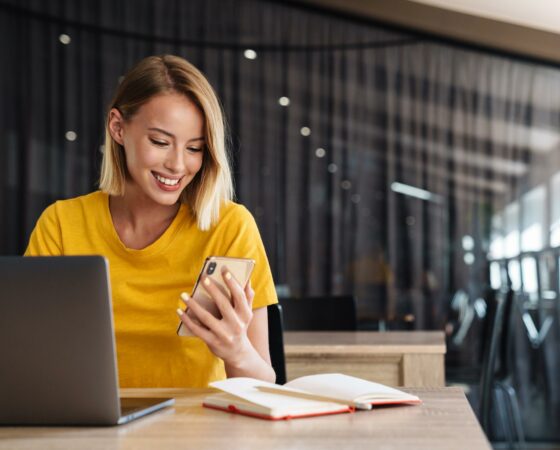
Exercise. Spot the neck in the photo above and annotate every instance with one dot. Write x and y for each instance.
(137, 209)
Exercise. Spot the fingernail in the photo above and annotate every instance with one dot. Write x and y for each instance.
(206, 282)
(179, 312)
(228, 276)
(185, 297)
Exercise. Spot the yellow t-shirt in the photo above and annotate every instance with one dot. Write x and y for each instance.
(146, 283)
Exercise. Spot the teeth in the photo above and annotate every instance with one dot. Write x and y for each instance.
(166, 181)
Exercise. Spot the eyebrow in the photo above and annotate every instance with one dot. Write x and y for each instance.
(167, 133)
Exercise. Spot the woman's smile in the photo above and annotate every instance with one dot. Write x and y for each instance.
(167, 183)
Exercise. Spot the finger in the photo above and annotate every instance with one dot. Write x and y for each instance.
(240, 301)
(188, 312)
(222, 301)
(198, 330)
(204, 317)
(237, 292)
(183, 315)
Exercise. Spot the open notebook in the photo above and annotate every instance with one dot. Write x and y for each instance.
(303, 397)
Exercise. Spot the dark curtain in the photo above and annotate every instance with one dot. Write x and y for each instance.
(473, 130)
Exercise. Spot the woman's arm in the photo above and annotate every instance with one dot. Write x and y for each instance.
(240, 337)
(251, 365)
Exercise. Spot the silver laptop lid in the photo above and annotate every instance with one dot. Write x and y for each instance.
(57, 349)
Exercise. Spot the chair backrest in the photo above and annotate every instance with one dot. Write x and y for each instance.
(276, 342)
(502, 368)
(487, 326)
(495, 351)
(320, 313)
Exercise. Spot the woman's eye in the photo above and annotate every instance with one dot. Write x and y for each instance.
(194, 149)
(158, 143)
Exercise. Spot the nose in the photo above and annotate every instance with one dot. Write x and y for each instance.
(175, 161)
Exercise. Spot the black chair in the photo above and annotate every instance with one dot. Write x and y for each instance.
(469, 375)
(337, 313)
(276, 342)
(496, 392)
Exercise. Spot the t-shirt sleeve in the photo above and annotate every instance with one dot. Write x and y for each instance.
(46, 237)
(244, 241)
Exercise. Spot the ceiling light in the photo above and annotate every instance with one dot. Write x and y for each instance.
(250, 54)
(64, 39)
(346, 184)
(412, 191)
(468, 242)
(70, 136)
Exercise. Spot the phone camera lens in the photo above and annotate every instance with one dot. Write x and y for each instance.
(211, 268)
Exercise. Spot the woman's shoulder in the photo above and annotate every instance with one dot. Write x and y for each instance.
(80, 205)
(232, 212)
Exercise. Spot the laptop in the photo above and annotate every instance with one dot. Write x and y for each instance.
(57, 345)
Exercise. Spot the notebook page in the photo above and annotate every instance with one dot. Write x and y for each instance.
(247, 389)
(346, 387)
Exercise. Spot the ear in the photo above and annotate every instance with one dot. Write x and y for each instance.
(116, 125)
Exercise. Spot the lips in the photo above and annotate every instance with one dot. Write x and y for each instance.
(167, 183)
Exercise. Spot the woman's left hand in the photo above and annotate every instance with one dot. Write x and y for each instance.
(226, 337)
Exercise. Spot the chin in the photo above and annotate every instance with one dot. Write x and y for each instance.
(167, 200)
(164, 197)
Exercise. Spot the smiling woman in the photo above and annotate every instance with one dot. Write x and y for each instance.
(162, 148)
(163, 154)
(164, 205)
(173, 107)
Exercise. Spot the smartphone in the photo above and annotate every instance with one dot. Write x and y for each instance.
(240, 269)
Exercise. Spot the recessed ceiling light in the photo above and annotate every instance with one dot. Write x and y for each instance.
(320, 152)
(64, 39)
(250, 54)
(468, 242)
(70, 136)
(468, 258)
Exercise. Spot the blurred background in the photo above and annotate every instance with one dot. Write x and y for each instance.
(396, 152)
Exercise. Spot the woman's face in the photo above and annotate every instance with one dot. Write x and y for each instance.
(164, 146)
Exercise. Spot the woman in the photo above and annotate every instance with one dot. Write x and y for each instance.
(163, 206)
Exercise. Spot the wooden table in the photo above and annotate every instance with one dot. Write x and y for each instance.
(396, 358)
(444, 421)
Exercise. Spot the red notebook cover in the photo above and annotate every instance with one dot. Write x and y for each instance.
(235, 410)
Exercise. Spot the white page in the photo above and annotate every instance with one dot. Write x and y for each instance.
(345, 387)
(247, 389)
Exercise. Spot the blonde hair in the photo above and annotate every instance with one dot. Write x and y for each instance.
(154, 75)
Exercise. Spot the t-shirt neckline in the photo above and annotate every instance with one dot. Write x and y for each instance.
(160, 244)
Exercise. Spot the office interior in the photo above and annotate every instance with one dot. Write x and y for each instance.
(403, 156)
